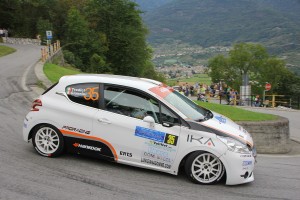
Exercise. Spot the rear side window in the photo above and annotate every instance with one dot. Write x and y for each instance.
(85, 93)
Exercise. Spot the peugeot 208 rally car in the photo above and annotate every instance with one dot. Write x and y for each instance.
(139, 122)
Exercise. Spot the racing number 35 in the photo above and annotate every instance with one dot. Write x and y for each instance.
(91, 94)
(171, 139)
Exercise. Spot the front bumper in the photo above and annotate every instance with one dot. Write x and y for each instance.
(239, 167)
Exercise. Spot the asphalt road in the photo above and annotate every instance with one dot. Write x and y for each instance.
(26, 175)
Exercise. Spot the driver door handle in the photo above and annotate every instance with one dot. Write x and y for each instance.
(104, 121)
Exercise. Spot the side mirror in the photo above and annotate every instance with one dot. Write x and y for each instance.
(149, 120)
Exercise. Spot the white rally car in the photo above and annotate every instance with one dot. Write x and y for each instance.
(139, 122)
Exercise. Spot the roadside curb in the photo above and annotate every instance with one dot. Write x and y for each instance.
(39, 72)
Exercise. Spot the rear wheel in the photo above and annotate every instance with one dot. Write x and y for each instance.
(204, 168)
(48, 141)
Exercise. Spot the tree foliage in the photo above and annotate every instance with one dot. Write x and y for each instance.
(99, 36)
(261, 67)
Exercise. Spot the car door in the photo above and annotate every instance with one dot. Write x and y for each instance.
(76, 115)
(134, 139)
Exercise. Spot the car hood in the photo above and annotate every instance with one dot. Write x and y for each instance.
(226, 127)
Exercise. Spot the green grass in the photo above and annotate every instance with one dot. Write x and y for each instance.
(55, 72)
(197, 78)
(237, 114)
(4, 50)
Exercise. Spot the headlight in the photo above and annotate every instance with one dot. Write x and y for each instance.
(234, 145)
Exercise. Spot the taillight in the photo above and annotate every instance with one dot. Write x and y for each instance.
(35, 104)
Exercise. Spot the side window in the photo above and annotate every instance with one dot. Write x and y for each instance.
(168, 117)
(85, 94)
(130, 103)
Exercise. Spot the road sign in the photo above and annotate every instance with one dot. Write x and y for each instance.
(268, 86)
(49, 35)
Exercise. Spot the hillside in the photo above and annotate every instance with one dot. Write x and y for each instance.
(148, 5)
(275, 23)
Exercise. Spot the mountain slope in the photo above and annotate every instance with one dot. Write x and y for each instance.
(222, 22)
(148, 5)
(274, 23)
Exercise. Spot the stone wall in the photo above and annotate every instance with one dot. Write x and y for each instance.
(270, 136)
(10, 40)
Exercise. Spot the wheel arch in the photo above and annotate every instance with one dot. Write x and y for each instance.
(38, 125)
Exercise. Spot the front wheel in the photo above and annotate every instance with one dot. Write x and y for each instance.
(204, 168)
(48, 141)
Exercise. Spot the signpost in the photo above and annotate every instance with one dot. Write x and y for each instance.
(49, 37)
(268, 87)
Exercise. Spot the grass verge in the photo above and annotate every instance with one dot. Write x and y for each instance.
(237, 114)
(4, 50)
(55, 72)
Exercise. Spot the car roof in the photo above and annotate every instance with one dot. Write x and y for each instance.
(136, 82)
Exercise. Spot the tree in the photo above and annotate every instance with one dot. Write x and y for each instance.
(121, 22)
(251, 59)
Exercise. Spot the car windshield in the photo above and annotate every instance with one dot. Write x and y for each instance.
(186, 106)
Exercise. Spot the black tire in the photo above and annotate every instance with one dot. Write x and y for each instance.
(48, 140)
(204, 168)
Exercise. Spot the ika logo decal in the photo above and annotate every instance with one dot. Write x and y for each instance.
(123, 153)
(156, 135)
(78, 130)
(201, 140)
(221, 119)
(83, 146)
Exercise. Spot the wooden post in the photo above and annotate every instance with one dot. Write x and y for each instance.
(273, 101)
(234, 100)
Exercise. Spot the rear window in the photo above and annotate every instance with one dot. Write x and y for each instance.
(85, 93)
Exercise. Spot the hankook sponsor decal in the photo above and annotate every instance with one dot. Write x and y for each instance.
(83, 146)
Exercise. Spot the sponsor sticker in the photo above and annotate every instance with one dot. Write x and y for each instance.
(201, 140)
(149, 134)
(157, 136)
(171, 139)
(247, 163)
(221, 119)
(78, 130)
(126, 154)
(90, 93)
(83, 146)
(161, 91)
(156, 163)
